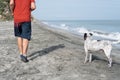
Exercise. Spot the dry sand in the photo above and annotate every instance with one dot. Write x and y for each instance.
(54, 55)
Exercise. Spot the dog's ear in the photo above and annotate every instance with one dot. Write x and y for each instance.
(85, 36)
(90, 34)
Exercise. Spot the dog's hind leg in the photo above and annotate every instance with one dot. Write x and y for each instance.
(110, 62)
(107, 53)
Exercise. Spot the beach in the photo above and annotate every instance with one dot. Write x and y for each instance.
(53, 54)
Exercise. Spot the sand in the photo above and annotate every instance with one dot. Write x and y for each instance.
(53, 54)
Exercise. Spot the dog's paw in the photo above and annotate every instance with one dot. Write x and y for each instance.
(85, 62)
(109, 65)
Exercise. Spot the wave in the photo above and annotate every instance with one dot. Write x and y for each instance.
(45, 23)
(62, 26)
(98, 33)
(113, 36)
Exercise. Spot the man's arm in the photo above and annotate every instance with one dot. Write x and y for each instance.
(33, 6)
(12, 6)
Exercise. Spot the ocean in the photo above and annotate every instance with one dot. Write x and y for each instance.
(101, 29)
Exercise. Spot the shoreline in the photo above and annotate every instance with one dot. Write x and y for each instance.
(54, 54)
(116, 47)
(99, 32)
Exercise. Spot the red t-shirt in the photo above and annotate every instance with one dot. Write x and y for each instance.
(22, 11)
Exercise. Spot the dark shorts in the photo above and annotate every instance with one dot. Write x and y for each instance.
(23, 30)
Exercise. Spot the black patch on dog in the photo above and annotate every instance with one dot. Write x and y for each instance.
(98, 40)
(91, 34)
(85, 36)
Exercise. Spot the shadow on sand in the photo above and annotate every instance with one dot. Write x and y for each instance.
(45, 51)
(105, 60)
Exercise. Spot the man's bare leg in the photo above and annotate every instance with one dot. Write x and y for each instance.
(25, 46)
(20, 44)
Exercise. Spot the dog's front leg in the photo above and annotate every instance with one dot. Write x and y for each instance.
(90, 58)
(86, 56)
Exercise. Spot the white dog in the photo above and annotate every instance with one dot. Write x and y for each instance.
(95, 45)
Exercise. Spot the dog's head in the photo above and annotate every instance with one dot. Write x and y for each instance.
(87, 35)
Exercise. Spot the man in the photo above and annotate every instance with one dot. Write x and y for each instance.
(21, 11)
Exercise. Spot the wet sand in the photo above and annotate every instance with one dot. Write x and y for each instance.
(53, 55)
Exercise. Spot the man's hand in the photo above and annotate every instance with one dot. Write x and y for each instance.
(12, 14)
(12, 6)
(33, 6)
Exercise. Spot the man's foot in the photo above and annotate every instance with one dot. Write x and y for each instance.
(24, 59)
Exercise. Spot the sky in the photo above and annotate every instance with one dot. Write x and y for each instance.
(77, 10)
